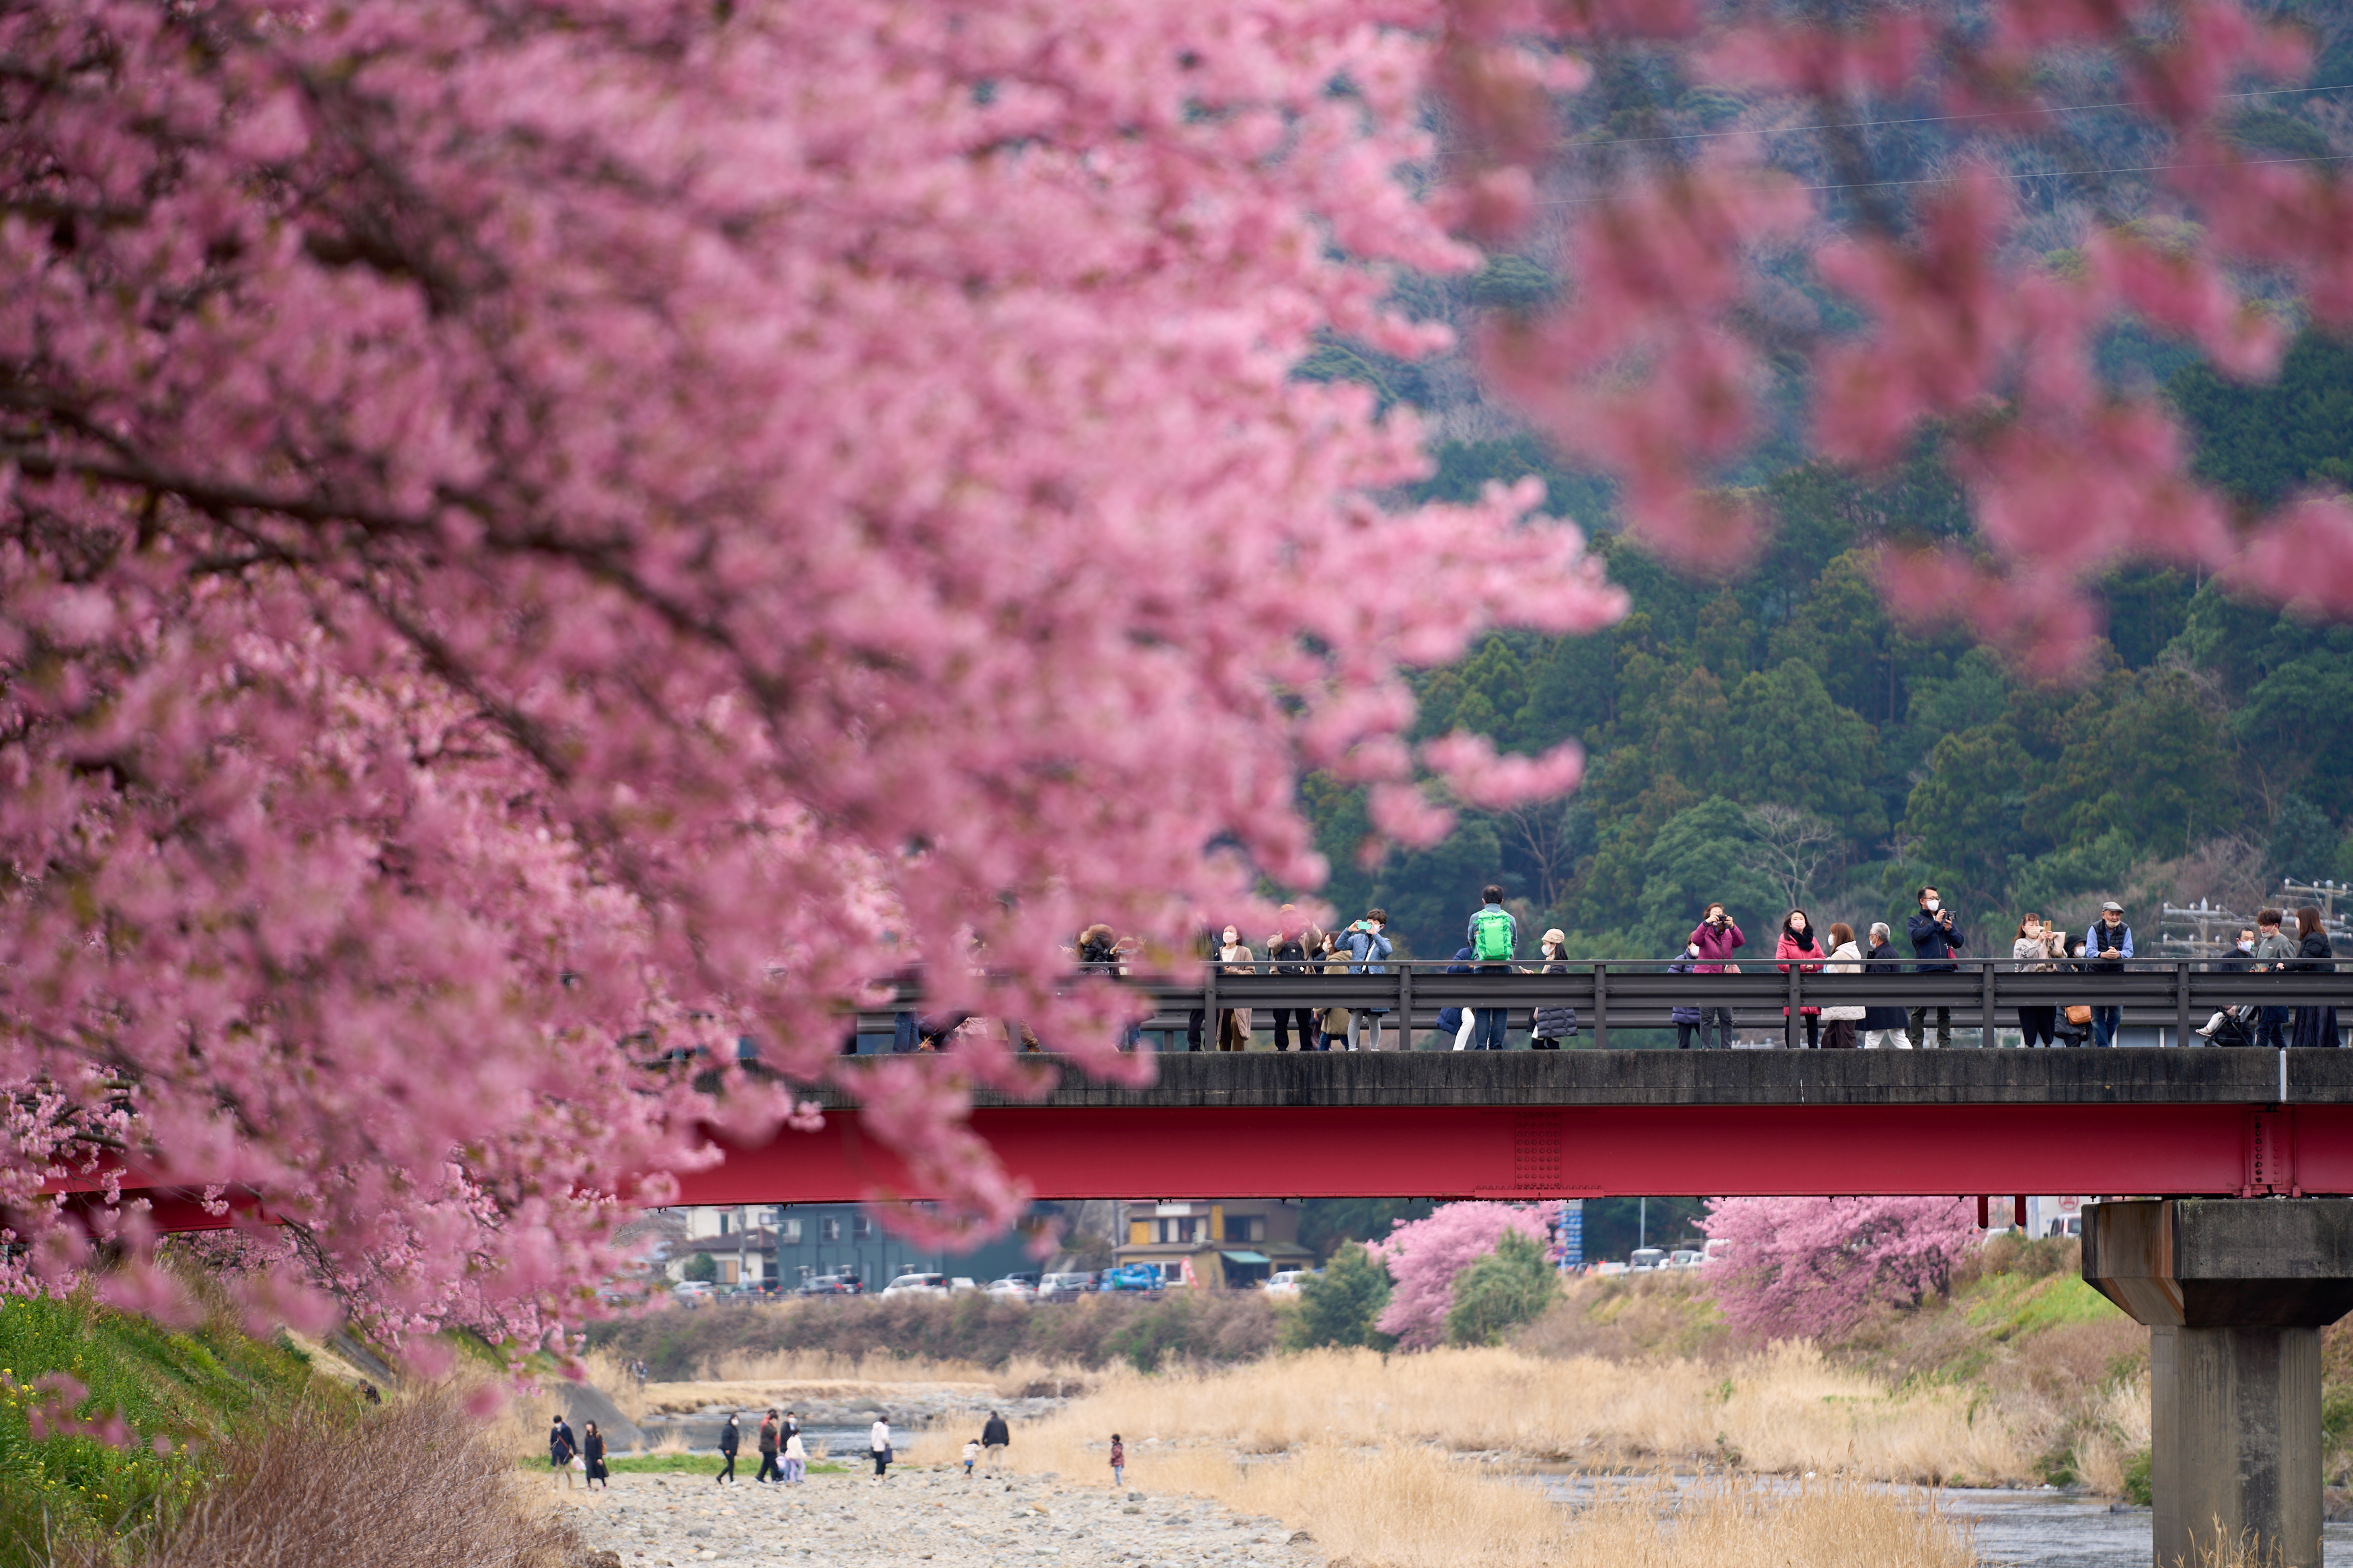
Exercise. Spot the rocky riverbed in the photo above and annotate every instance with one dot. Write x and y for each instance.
(920, 1516)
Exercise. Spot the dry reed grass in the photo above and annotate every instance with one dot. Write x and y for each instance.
(1365, 1465)
(437, 1494)
(1784, 1410)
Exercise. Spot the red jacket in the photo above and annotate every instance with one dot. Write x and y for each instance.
(1809, 960)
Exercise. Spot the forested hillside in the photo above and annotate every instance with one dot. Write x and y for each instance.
(1773, 738)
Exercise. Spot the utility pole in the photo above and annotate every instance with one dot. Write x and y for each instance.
(1643, 1223)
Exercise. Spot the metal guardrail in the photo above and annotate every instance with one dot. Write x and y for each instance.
(1636, 994)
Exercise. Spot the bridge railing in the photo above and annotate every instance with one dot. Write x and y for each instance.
(1638, 993)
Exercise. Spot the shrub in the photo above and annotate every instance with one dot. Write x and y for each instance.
(413, 1485)
(1510, 1286)
(1811, 1268)
(1425, 1257)
(1342, 1306)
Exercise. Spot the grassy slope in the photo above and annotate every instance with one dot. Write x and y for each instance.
(185, 1390)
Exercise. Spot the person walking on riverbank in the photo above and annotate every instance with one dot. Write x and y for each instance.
(971, 1454)
(994, 1437)
(1709, 945)
(878, 1443)
(1118, 1463)
(1934, 939)
(592, 1454)
(796, 1459)
(561, 1447)
(771, 1443)
(731, 1440)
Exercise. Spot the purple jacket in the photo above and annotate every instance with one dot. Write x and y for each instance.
(1715, 946)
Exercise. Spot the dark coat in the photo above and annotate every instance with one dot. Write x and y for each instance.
(592, 1448)
(561, 1445)
(1682, 1015)
(2315, 1027)
(1932, 941)
(994, 1433)
(1882, 956)
(769, 1440)
(730, 1439)
(1450, 1019)
(1554, 1020)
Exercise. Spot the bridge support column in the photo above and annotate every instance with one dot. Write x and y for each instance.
(2235, 1292)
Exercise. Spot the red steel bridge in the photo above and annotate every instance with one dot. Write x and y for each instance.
(1595, 1121)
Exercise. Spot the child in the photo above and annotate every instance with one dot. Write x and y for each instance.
(796, 1461)
(971, 1453)
(1118, 1462)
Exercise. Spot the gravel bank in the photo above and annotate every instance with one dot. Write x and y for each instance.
(920, 1516)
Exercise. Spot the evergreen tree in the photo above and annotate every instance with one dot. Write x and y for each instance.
(1510, 1286)
(1339, 1306)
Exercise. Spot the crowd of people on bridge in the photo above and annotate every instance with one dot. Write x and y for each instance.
(1936, 941)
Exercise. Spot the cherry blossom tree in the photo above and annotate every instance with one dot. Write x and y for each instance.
(537, 543)
(1811, 1268)
(1425, 1257)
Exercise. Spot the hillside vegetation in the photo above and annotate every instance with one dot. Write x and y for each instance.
(1775, 739)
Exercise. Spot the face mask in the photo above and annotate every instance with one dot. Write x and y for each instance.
(1936, 904)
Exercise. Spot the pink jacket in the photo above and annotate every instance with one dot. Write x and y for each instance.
(1715, 946)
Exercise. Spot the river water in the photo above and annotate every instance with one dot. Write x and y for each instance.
(2044, 1528)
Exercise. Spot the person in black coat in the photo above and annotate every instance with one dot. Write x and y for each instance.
(2315, 1027)
(1936, 941)
(730, 1439)
(1884, 1025)
(592, 1449)
(560, 1447)
(994, 1437)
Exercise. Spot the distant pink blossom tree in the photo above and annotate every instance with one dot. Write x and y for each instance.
(1424, 1256)
(1811, 1268)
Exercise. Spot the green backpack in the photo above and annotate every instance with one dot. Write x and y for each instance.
(1491, 933)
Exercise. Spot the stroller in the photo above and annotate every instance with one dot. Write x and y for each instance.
(2237, 1028)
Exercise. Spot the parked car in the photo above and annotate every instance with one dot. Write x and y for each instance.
(962, 1282)
(692, 1291)
(831, 1285)
(1130, 1277)
(1685, 1257)
(1287, 1281)
(917, 1285)
(1010, 1288)
(1646, 1258)
(1714, 1247)
(1065, 1287)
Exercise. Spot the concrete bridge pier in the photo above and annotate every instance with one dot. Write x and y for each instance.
(2235, 1292)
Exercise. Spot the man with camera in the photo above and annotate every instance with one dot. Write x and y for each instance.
(1935, 939)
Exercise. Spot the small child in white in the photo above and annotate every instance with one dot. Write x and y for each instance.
(971, 1453)
(1118, 1462)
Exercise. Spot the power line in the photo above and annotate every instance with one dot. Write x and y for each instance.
(2048, 174)
(1945, 119)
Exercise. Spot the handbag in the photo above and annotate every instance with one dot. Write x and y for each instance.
(2079, 1014)
(578, 1464)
